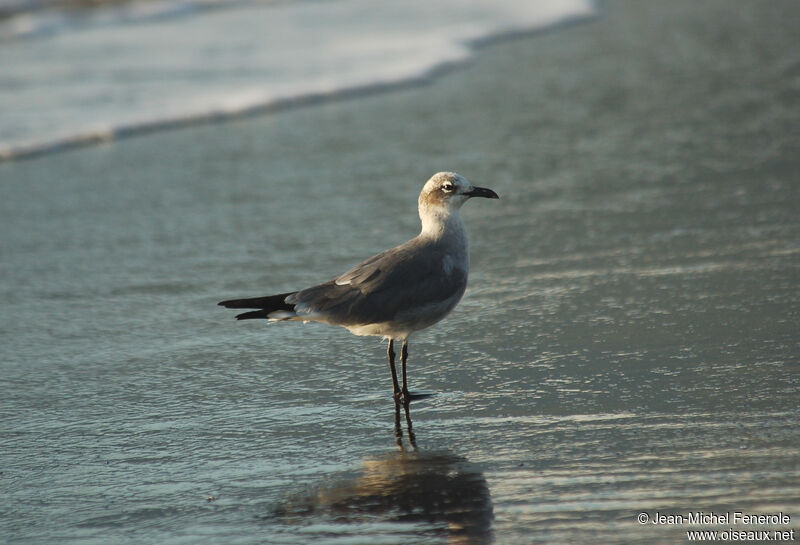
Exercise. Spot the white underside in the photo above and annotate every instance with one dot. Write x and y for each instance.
(404, 325)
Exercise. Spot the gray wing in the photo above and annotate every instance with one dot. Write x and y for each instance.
(377, 290)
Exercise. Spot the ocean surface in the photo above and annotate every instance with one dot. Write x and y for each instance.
(76, 76)
(627, 347)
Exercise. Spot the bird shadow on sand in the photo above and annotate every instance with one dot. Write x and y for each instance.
(409, 493)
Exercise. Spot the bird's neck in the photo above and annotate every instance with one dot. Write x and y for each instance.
(443, 225)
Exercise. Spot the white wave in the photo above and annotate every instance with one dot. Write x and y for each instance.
(38, 19)
(78, 88)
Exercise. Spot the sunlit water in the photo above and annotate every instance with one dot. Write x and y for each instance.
(628, 342)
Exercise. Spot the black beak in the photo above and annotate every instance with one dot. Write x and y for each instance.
(482, 192)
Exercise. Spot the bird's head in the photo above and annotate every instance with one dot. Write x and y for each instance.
(442, 196)
(448, 191)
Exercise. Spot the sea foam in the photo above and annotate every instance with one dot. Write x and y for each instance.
(139, 69)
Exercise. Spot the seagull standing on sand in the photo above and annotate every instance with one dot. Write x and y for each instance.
(396, 292)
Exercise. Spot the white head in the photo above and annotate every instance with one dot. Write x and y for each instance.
(444, 194)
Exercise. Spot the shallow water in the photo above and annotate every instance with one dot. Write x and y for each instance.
(628, 342)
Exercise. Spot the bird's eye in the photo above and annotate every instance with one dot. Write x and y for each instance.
(447, 186)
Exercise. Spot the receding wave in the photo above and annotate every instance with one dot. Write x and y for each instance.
(115, 80)
(38, 18)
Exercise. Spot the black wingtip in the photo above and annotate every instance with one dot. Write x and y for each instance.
(254, 314)
(272, 302)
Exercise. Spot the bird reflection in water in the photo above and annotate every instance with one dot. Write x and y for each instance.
(428, 493)
(398, 427)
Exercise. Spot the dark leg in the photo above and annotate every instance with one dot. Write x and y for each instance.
(403, 358)
(390, 354)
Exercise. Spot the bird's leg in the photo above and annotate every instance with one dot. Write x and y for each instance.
(390, 354)
(403, 358)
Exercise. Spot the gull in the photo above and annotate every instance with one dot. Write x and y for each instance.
(397, 292)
